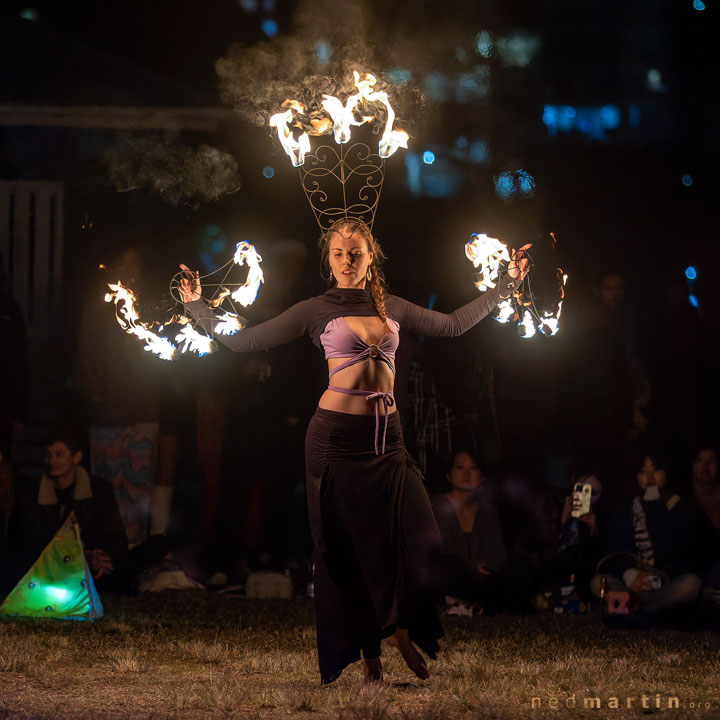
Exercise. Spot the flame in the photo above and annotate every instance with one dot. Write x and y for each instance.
(246, 294)
(219, 299)
(295, 105)
(343, 116)
(527, 326)
(296, 149)
(505, 311)
(191, 339)
(321, 125)
(130, 322)
(486, 253)
(551, 321)
(229, 324)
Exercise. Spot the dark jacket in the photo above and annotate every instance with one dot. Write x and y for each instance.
(672, 525)
(39, 515)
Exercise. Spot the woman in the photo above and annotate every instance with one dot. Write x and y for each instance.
(652, 543)
(468, 520)
(373, 530)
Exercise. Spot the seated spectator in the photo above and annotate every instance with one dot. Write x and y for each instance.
(652, 543)
(467, 517)
(706, 493)
(43, 506)
(580, 541)
(706, 484)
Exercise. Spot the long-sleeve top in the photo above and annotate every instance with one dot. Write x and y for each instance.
(673, 532)
(310, 317)
(486, 542)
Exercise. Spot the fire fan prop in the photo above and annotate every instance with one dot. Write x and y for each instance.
(187, 338)
(491, 258)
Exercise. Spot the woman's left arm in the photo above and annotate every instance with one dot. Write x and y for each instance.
(421, 321)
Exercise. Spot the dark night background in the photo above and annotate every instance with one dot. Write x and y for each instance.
(610, 108)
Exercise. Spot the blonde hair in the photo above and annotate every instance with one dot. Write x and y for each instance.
(377, 285)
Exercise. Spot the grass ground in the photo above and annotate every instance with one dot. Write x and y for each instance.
(200, 655)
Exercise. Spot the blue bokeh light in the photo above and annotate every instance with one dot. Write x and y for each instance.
(399, 75)
(461, 142)
(269, 27)
(428, 157)
(610, 116)
(440, 179)
(412, 165)
(484, 43)
(29, 14)
(323, 52)
(590, 120)
(526, 183)
(690, 272)
(473, 87)
(505, 186)
(687, 180)
(436, 86)
(479, 152)
(693, 301)
(699, 5)
(269, 171)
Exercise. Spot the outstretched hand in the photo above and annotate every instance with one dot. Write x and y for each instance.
(189, 287)
(519, 265)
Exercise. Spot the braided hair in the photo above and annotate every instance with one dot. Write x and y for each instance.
(377, 285)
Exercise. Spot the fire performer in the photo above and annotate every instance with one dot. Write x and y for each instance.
(376, 541)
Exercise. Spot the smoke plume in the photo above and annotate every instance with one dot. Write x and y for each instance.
(329, 40)
(182, 175)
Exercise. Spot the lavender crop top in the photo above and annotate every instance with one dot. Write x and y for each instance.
(341, 341)
(321, 318)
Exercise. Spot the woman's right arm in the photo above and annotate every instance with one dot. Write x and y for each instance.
(292, 323)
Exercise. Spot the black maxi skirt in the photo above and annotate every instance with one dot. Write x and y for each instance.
(376, 542)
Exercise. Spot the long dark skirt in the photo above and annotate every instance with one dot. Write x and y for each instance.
(377, 545)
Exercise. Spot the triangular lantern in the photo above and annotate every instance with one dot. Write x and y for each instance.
(59, 584)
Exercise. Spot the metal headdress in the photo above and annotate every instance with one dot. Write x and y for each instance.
(345, 182)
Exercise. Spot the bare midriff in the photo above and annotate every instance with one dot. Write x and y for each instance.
(366, 375)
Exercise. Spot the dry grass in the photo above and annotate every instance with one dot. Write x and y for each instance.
(197, 655)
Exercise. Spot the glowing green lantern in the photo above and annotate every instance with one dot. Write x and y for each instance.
(59, 584)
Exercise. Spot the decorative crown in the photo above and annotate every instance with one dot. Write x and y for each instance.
(344, 182)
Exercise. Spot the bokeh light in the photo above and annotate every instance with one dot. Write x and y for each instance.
(484, 43)
(268, 171)
(505, 186)
(690, 273)
(479, 152)
(687, 180)
(269, 27)
(399, 76)
(428, 157)
(323, 52)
